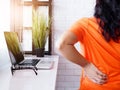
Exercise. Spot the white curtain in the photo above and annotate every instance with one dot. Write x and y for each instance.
(17, 17)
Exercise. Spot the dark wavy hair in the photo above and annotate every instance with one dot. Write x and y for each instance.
(108, 11)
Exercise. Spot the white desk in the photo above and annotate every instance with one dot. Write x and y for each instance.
(27, 80)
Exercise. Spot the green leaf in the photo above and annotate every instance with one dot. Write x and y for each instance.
(40, 29)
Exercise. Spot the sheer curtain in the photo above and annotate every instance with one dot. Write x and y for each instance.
(16, 17)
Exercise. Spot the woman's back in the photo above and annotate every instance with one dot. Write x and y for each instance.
(104, 55)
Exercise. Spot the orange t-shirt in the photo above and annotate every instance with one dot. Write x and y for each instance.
(104, 55)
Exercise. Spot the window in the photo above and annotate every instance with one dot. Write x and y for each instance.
(24, 16)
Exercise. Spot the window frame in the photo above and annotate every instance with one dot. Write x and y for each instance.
(35, 4)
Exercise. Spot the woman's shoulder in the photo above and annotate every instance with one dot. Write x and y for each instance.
(93, 19)
(90, 24)
(86, 20)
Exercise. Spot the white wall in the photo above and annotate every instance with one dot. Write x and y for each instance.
(5, 15)
(65, 13)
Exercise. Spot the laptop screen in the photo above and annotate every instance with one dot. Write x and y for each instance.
(14, 48)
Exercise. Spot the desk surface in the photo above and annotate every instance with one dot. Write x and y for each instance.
(27, 80)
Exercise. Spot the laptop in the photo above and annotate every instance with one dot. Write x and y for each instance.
(17, 56)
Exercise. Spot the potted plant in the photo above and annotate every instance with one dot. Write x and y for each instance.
(40, 32)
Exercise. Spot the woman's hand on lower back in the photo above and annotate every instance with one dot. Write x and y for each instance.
(94, 74)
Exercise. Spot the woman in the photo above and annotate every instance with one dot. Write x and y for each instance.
(100, 38)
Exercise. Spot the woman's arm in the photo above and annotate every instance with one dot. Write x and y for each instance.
(67, 49)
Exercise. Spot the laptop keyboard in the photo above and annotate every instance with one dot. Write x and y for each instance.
(32, 62)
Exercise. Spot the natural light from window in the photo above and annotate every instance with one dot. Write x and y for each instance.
(4, 15)
(27, 16)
